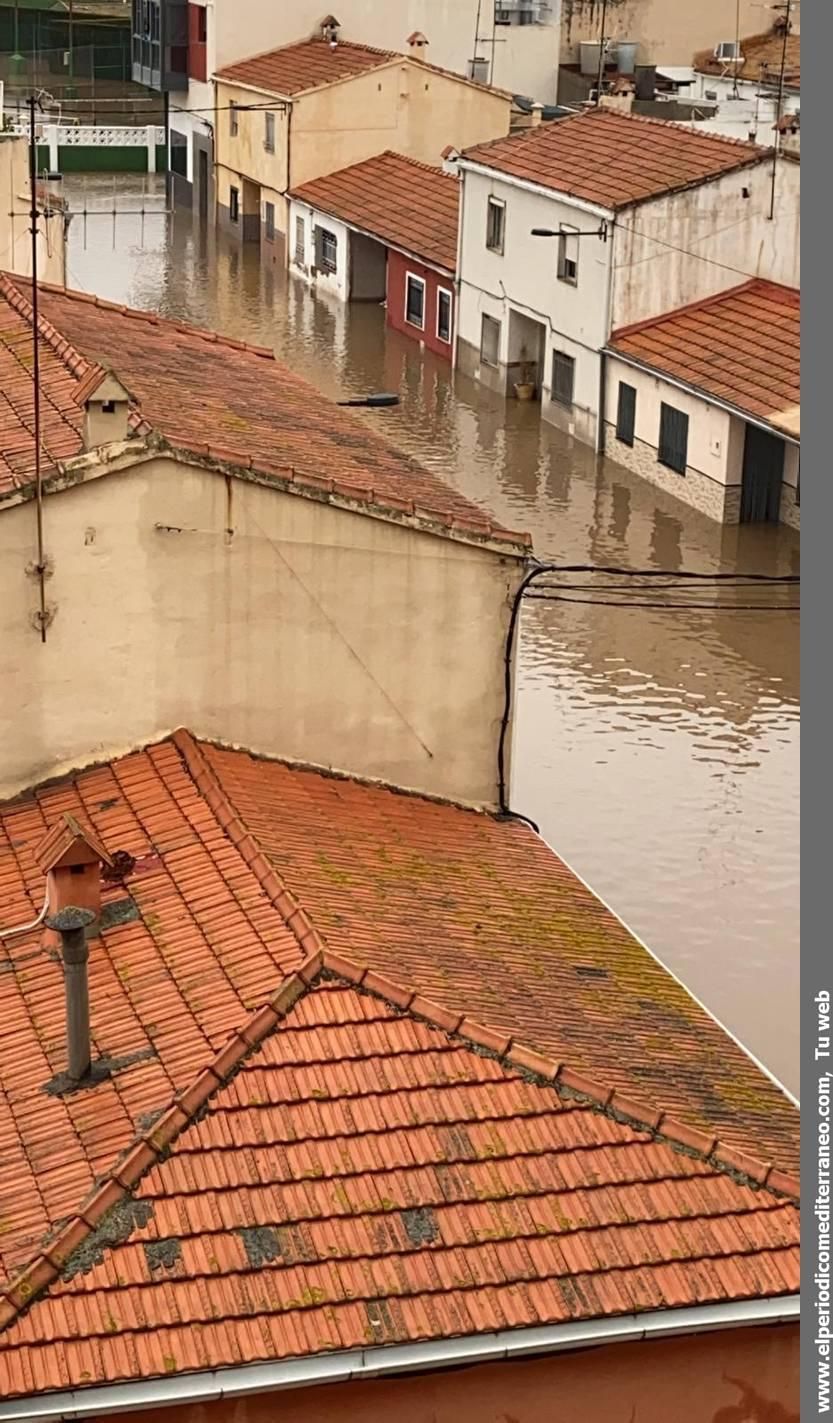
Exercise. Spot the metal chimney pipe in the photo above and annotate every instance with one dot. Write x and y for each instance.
(71, 923)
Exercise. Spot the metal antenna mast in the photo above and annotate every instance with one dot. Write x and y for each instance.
(33, 213)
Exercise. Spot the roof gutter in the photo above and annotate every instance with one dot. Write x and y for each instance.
(396, 1359)
(756, 420)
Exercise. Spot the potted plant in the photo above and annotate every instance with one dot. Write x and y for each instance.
(525, 387)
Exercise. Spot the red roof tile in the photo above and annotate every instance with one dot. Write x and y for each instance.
(207, 396)
(742, 346)
(614, 160)
(291, 1146)
(762, 55)
(310, 64)
(367, 1177)
(401, 202)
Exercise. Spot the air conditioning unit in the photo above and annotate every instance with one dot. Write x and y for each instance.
(710, 94)
(727, 51)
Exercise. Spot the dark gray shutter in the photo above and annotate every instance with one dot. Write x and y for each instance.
(673, 438)
(626, 413)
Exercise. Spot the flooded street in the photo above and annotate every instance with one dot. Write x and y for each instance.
(657, 750)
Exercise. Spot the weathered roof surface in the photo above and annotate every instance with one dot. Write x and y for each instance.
(370, 1177)
(762, 56)
(205, 395)
(614, 160)
(401, 202)
(309, 64)
(314, 63)
(599, 1146)
(742, 347)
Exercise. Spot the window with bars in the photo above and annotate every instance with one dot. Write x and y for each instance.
(326, 250)
(673, 438)
(563, 378)
(414, 300)
(233, 122)
(269, 133)
(489, 341)
(269, 221)
(234, 204)
(626, 413)
(495, 224)
(568, 255)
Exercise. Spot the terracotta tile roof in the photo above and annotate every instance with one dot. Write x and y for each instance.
(401, 202)
(297, 1154)
(762, 56)
(614, 160)
(742, 347)
(310, 64)
(207, 396)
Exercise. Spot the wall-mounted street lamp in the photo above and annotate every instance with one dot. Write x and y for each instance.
(551, 232)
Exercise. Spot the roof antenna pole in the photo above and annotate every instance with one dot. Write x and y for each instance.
(602, 42)
(33, 213)
(779, 104)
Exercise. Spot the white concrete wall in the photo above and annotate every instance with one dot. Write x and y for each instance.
(710, 450)
(307, 631)
(749, 115)
(337, 283)
(693, 244)
(526, 57)
(525, 278)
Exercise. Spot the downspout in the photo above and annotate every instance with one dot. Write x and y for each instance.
(600, 419)
(458, 281)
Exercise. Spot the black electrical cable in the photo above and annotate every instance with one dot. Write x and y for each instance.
(667, 607)
(541, 570)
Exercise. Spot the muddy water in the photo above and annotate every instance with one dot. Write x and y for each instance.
(658, 751)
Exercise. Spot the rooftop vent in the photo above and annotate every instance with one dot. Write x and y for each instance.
(417, 44)
(106, 406)
(330, 28)
(71, 856)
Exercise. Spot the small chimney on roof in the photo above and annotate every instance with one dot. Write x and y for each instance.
(71, 856)
(417, 44)
(106, 406)
(537, 114)
(329, 30)
(71, 924)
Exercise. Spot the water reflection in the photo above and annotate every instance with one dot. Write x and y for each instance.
(658, 751)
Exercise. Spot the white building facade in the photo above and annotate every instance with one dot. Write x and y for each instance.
(544, 307)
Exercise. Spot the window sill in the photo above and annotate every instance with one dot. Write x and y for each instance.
(417, 325)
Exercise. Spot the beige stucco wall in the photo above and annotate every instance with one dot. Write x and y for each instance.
(15, 222)
(404, 106)
(308, 631)
(665, 33)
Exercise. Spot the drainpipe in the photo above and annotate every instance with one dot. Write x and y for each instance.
(458, 275)
(600, 420)
(71, 924)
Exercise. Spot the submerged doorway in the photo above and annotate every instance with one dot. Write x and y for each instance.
(525, 356)
(763, 473)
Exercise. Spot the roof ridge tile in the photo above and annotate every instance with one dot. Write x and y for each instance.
(76, 363)
(208, 784)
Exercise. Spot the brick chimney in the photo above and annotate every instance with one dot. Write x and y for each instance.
(416, 45)
(329, 30)
(71, 856)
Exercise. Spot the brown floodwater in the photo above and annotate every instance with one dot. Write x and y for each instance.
(658, 751)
